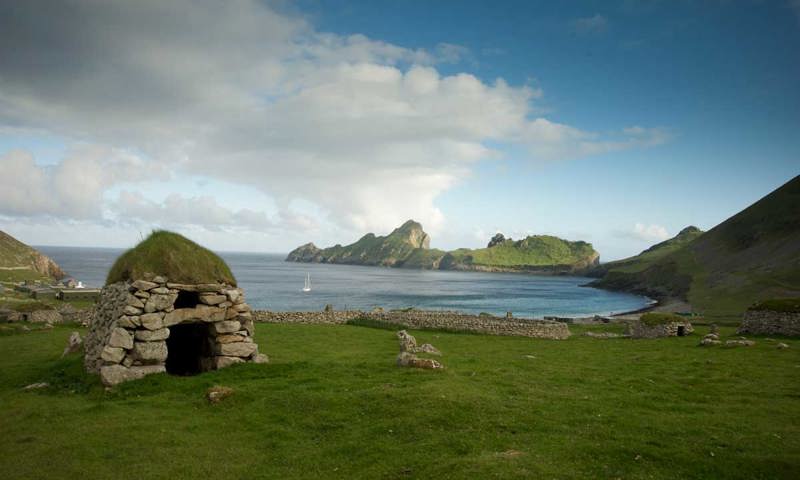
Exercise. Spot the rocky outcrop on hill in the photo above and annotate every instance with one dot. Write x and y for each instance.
(15, 255)
(390, 250)
(308, 253)
(409, 247)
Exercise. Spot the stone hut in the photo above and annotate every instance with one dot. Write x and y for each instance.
(656, 325)
(169, 305)
(772, 317)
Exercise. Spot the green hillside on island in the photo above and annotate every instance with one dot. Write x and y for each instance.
(752, 256)
(19, 261)
(409, 247)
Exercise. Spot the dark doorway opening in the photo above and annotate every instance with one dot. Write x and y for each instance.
(681, 330)
(187, 299)
(187, 345)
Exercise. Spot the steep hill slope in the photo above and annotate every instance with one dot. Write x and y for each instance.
(751, 256)
(646, 259)
(16, 257)
(408, 247)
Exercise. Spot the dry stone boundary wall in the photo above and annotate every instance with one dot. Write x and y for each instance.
(425, 319)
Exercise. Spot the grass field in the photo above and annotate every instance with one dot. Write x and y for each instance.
(331, 404)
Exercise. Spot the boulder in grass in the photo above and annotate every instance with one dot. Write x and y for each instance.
(406, 359)
(407, 341)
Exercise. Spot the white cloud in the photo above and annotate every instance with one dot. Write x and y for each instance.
(368, 132)
(649, 233)
(74, 188)
(595, 24)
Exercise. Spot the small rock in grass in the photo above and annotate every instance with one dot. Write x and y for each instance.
(73, 344)
(36, 386)
(260, 358)
(217, 393)
(510, 454)
(428, 348)
(781, 346)
(739, 343)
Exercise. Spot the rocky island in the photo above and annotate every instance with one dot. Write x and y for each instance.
(408, 246)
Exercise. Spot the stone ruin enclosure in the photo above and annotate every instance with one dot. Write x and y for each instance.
(151, 325)
(678, 328)
(770, 322)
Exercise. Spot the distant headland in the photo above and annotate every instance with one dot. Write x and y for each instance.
(408, 246)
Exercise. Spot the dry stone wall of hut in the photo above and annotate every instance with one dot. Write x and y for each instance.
(128, 336)
(429, 319)
(768, 322)
(638, 329)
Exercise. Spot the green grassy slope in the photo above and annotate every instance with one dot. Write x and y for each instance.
(331, 404)
(425, 258)
(648, 257)
(173, 256)
(532, 251)
(20, 262)
(752, 256)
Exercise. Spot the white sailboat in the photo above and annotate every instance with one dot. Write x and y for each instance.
(307, 286)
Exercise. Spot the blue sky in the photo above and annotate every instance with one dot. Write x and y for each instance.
(614, 122)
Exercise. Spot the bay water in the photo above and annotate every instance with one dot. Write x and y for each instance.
(270, 283)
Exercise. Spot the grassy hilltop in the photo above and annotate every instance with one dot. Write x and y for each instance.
(504, 407)
(408, 247)
(752, 256)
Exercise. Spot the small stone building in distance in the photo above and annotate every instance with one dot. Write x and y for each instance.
(169, 305)
(780, 316)
(655, 325)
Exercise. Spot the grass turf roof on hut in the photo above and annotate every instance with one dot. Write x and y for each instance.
(652, 319)
(789, 305)
(173, 256)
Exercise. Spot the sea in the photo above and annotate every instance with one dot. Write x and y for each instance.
(270, 283)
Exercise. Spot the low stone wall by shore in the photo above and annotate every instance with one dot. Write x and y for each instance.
(331, 317)
(768, 322)
(426, 319)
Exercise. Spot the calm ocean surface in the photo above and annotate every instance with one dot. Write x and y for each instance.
(272, 284)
